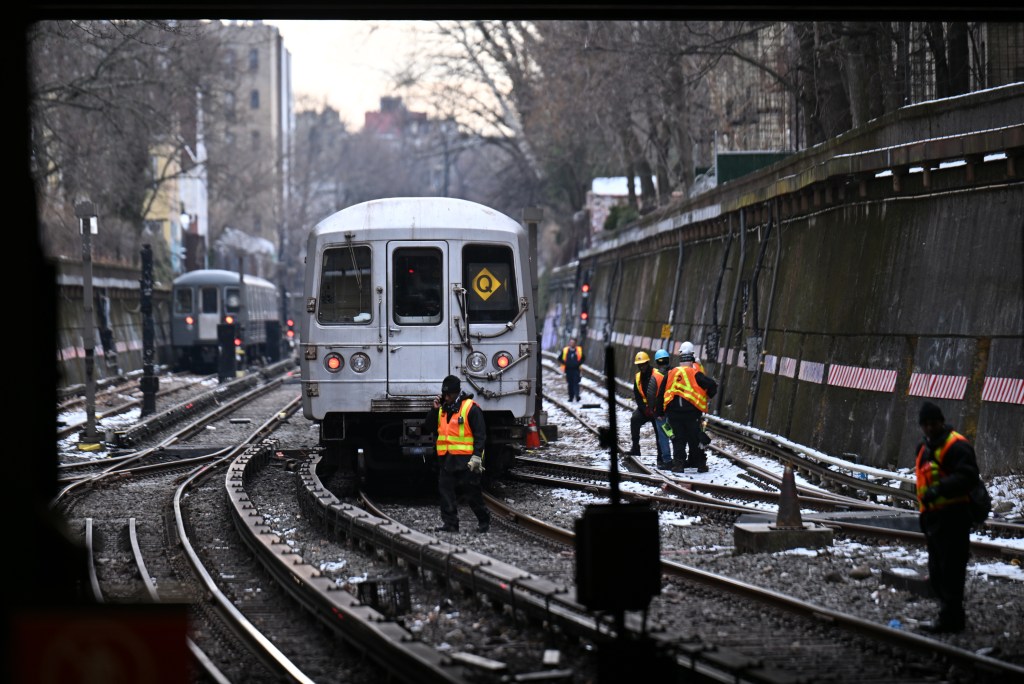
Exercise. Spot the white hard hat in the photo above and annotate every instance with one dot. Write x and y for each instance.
(686, 348)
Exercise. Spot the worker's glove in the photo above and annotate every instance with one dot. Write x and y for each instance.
(930, 495)
(649, 412)
(476, 465)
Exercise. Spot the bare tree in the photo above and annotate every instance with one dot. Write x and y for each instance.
(103, 96)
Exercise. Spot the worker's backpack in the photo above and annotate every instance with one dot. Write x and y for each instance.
(980, 503)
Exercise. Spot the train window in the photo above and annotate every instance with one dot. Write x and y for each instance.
(489, 279)
(417, 284)
(208, 300)
(346, 288)
(183, 300)
(232, 300)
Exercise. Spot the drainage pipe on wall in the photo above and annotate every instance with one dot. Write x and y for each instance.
(713, 353)
(774, 220)
(675, 293)
(732, 310)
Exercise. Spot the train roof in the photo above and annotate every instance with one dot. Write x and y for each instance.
(405, 214)
(217, 276)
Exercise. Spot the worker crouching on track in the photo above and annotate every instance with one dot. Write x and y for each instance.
(646, 385)
(685, 400)
(461, 432)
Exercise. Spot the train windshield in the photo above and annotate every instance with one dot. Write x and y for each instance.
(417, 285)
(208, 300)
(345, 286)
(232, 300)
(183, 300)
(490, 281)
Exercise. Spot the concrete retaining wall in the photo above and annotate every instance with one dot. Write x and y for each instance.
(858, 294)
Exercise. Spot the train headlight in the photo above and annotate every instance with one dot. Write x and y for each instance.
(334, 362)
(360, 362)
(476, 362)
(502, 360)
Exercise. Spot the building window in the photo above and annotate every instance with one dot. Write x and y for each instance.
(255, 140)
(254, 59)
(254, 99)
(230, 63)
(229, 106)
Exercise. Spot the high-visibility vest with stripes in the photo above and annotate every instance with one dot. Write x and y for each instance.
(657, 375)
(929, 472)
(454, 436)
(578, 350)
(682, 382)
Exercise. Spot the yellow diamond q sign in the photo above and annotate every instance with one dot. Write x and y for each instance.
(485, 284)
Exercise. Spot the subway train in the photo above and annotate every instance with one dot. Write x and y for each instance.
(201, 300)
(400, 293)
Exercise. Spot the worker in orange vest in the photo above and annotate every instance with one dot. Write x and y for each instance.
(684, 401)
(461, 432)
(571, 359)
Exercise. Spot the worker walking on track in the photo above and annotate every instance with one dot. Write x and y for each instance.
(459, 424)
(947, 469)
(571, 359)
(685, 401)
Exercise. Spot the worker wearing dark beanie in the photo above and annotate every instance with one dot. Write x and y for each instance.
(946, 469)
(930, 413)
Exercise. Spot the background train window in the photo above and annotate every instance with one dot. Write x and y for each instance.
(417, 274)
(489, 279)
(345, 286)
(183, 300)
(208, 300)
(232, 300)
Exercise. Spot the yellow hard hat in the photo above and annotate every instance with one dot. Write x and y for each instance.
(641, 357)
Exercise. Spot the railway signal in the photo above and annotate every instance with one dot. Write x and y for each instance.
(584, 309)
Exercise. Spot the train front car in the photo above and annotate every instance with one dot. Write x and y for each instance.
(399, 294)
(206, 298)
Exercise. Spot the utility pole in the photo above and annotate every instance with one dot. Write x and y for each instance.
(86, 215)
(531, 217)
(149, 383)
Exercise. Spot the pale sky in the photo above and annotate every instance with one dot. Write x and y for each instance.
(348, 63)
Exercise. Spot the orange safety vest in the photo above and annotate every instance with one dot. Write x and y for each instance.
(682, 382)
(658, 377)
(454, 436)
(929, 471)
(565, 355)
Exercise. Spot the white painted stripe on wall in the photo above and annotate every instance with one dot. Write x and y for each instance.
(1006, 390)
(812, 371)
(936, 386)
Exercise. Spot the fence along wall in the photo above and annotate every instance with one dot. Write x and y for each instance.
(857, 294)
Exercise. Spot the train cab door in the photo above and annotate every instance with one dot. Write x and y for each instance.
(419, 311)
(209, 312)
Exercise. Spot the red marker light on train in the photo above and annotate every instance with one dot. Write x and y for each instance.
(238, 341)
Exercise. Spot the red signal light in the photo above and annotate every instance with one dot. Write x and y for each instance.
(189, 320)
(238, 341)
(583, 316)
(586, 288)
(291, 333)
